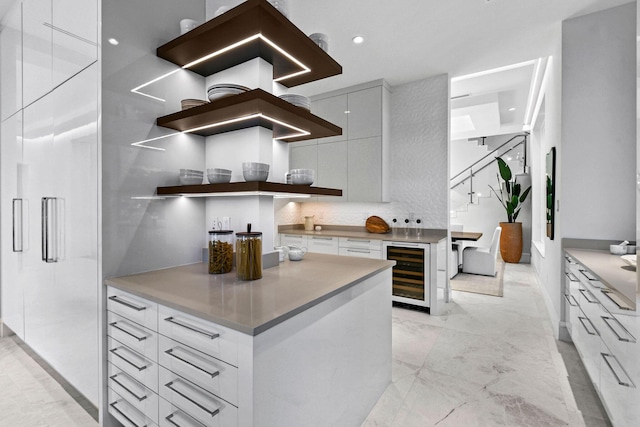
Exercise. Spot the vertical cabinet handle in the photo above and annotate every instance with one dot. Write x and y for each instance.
(121, 384)
(607, 321)
(115, 352)
(591, 300)
(50, 229)
(131, 334)
(192, 421)
(171, 352)
(17, 225)
(568, 298)
(211, 335)
(619, 380)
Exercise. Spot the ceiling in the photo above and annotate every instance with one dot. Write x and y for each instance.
(424, 38)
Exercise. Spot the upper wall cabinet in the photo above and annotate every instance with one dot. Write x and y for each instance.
(36, 49)
(56, 44)
(11, 62)
(251, 30)
(358, 160)
(75, 37)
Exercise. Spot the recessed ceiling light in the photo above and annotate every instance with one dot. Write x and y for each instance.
(512, 109)
(358, 39)
(113, 41)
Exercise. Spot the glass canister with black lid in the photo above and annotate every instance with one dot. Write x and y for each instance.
(249, 255)
(220, 251)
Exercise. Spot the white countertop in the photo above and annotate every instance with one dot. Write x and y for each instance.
(251, 307)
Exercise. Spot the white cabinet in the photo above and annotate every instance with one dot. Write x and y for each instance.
(607, 343)
(14, 228)
(74, 37)
(364, 248)
(323, 244)
(37, 46)
(357, 161)
(11, 61)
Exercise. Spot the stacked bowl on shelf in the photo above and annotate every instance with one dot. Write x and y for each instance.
(222, 90)
(253, 171)
(302, 176)
(190, 103)
(218, 176)
(297, 100)
(191, 177)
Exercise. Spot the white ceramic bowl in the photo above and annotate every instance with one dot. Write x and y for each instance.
(218, 176)
(631, 249)
(255, 175)
(248, 166)
(296, 253)
(191, 172)
(618, 249)
(190, 180)
(301, 179)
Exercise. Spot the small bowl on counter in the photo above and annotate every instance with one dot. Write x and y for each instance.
(618, 249)
(218, 176)
(296, 253)
(302, 176)
(253, 171)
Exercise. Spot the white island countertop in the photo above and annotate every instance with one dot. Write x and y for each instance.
(251, 307)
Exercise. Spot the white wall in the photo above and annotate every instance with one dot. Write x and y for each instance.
(598, 125)
(419, 164)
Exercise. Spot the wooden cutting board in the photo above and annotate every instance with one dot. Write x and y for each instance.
(375, 224)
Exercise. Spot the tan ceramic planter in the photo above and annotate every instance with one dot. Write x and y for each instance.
(511, 241)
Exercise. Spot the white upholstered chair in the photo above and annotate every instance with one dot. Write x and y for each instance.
(477, 260)
(455, 252)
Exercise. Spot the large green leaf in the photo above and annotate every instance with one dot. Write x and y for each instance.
(524, 195)
(516, 189)
(505, 170)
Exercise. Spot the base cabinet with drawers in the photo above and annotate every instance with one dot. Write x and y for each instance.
(606, 340)
(167, 368)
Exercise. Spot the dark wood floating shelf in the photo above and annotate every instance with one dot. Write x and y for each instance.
(246, 104)
(241, 23)
(268, 188)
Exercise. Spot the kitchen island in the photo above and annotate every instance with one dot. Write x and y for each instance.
(308, 344)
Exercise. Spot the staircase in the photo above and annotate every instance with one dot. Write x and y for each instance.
(470, 187)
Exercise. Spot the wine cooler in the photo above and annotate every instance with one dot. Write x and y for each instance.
(410, 277)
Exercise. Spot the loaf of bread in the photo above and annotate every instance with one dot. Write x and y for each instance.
(375, 224)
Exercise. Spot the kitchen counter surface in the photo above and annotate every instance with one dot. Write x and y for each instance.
(427, 235)
(255, 306)
(612, 271)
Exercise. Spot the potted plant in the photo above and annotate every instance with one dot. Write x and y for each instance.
(511, 197)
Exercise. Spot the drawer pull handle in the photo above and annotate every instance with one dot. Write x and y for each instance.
(606, 356)
(582, 319)
(359, 240)
(170, 386)
(120, 328)
(571, 276)
(170, 417)
(584, 293)
(588, 275)
(211, 335)
(115, 298)
(620, 338)
(568, 297)
(113, 378)
(126, 417)
(115, 352)
(359, 251)
(172, 354)
(322, 238)
(293, 236)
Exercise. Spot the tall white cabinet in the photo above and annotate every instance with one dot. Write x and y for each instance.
(50, 188)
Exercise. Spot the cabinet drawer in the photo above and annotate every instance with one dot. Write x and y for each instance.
(207, 372)
(207, 337)
(133, 308)
(355, 243)
(362, 253)
(323, 244)
(134, 336)
(293, 239)
(194, 401)
(618, 391)
(140, 368)
(126, 413)
(136, 394)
